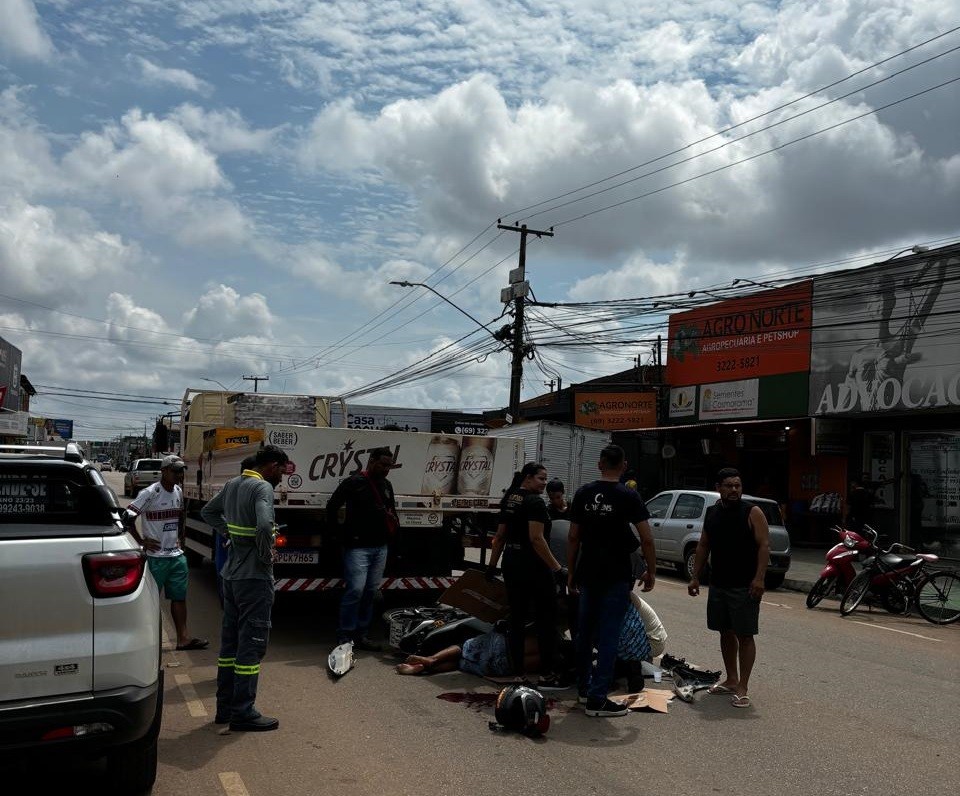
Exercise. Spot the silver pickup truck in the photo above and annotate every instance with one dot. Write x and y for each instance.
(80, 626)
(676, 519)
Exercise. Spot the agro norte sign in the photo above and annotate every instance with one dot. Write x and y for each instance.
(764, 334)
(613, 411)
(885, 338)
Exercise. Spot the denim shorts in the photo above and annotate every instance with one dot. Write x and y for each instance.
(486, 655)
(733, 609)
(171, 575)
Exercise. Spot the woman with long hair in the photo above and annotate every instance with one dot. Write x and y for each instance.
(530, 571)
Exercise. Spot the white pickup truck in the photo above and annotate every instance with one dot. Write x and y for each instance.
(80, 626)
(447, 489)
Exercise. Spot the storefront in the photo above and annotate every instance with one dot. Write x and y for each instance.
(885, 360)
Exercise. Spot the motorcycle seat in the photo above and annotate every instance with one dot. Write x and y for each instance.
(899, 562)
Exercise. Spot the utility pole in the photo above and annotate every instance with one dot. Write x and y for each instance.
(256, 380)
(518, 293)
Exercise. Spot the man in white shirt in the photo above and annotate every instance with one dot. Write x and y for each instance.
(159, 508)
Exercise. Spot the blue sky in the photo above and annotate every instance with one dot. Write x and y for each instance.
(213, 188)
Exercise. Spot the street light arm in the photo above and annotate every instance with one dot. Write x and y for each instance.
(404, 283)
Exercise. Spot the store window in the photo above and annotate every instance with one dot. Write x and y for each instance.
(933, 492)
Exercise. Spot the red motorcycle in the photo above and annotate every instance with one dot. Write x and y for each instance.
(838, 573)
(899, 577)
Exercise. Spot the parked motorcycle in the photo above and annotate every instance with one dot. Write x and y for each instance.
(898, 576)
(838, 573)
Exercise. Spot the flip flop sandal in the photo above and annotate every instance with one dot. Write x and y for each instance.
(194, 644)
(719, 689)
(740, 701)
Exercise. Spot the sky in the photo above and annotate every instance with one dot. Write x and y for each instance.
(199, 190)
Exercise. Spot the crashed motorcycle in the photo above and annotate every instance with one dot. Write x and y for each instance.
(838, 572)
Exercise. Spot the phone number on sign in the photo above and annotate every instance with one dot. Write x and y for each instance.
(724, 365)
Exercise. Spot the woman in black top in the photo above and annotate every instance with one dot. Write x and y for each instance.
(530, 571)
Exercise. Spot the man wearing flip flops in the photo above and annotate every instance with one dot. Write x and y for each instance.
(735, 536)
(159, 508)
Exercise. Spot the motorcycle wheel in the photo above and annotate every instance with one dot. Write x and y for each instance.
(855, 593)
(821, 589)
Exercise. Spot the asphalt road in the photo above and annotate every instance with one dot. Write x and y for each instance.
(862, 705)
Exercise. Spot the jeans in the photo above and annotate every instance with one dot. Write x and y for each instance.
(247, 604)
(602, 609)
(362, 570)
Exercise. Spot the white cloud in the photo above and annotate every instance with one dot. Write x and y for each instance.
(638, 276)
(171, 76)
(27, 165)
(172, 178)
(223, 314)
(21, 32)
(51, 256)
(222, 130)
(146, 159)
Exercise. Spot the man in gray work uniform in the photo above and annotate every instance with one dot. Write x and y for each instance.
(243, 509)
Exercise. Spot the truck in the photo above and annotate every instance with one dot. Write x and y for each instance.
(570, 453)
(447, 489)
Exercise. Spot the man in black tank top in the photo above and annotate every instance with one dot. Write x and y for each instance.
(735, 536)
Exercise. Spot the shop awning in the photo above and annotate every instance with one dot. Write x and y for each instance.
(714, 424)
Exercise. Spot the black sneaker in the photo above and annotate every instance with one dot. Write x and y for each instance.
(606, 708)
(368, 645)
(553, 682)
(259, 724)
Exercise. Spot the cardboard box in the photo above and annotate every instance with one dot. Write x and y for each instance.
(479, 597)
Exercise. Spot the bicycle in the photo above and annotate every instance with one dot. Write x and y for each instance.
(901, 581)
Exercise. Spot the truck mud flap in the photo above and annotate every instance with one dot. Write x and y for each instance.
(387, 584)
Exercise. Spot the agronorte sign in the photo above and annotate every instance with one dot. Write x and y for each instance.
(764, 334)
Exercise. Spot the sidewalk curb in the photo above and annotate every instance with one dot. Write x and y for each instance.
(797, 585)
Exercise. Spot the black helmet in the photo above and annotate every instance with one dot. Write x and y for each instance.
(522, 709)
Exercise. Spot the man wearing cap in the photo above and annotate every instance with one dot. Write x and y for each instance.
(159, 508)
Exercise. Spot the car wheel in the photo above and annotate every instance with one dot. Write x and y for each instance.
(134, 492)
(774, 580)
(687, 570)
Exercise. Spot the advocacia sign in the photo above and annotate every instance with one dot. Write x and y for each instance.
(886, 338)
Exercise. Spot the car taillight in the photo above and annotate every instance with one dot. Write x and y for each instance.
(113, 574)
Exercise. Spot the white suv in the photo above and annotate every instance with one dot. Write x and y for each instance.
(80, 626)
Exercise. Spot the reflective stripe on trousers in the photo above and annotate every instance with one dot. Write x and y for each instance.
(243, 643)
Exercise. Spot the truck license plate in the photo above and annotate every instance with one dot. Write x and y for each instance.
(296, 557)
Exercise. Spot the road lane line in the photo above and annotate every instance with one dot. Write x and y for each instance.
(895, 630)
(194, 705)
(232, 784)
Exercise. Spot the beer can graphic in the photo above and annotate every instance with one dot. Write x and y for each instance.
(440, 471)
(476, 466)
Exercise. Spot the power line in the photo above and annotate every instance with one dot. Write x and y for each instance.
(777, 148)
(518, 213)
